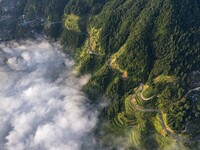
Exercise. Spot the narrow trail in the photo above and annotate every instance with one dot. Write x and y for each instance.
(177, 137)
(195, 89)
(90, 46)
(186, 127)
(89, 43)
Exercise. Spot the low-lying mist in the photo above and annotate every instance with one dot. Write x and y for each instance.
(41, 103)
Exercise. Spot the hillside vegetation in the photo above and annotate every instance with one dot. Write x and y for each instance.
(144, 41)
(124, 43)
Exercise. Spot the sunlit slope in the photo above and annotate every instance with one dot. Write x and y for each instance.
(153, 42)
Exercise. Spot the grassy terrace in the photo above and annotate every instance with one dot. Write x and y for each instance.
(125, 119)
(163, 78)
(72, 22)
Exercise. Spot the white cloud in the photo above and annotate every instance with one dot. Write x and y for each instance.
(41, 103)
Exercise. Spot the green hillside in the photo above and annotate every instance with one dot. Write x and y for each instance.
(123, 43)
(152, 42)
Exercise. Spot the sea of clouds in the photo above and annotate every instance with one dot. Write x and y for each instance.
(42, 106)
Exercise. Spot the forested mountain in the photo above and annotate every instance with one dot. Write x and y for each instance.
(153, 45)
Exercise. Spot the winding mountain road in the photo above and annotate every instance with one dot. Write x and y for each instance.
(142, 96)
(177, 137)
